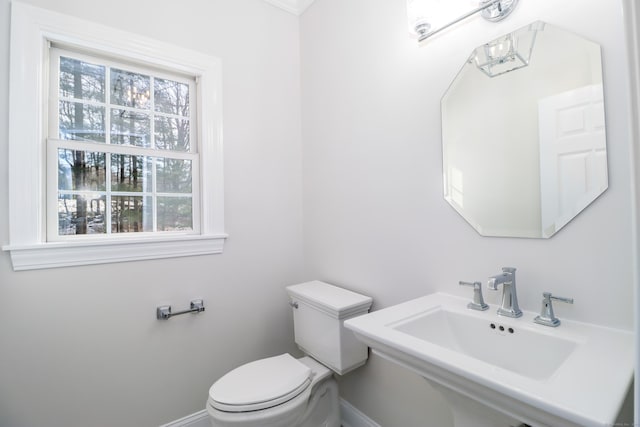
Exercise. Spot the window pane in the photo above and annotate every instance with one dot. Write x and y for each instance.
(172, 134)
(81, 170)
(131, 214)
(171, 97)
(81, 121)
(175, 214)
(81, 80)
(173, 175)
(130, 89)
(130, 173)
(130, 128)
(81, 214)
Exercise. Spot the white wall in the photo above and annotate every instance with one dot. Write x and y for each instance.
(81, 346)
(374, 216)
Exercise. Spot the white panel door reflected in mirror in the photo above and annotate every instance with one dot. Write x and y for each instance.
(523, 131)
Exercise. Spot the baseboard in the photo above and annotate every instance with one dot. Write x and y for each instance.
(198, 419)
(352, 417)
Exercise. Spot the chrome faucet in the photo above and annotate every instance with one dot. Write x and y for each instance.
(507, 279)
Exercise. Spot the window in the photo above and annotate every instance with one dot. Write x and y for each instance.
(121, 154)
(115, 145)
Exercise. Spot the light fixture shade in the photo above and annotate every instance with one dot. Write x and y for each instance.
(418, 17)
(498, 11)
(507, 53)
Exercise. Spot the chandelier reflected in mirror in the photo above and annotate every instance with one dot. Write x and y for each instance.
(507, 53)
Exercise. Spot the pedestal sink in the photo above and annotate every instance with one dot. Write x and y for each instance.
(496, 371)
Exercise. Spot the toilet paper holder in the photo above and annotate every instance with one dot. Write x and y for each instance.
(163, 312)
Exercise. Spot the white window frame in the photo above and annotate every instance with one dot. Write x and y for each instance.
(33, 31)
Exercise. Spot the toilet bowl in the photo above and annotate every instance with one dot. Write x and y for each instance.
(282, 391)
(279, 391)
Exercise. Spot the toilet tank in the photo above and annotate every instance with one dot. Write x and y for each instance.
(319, 312)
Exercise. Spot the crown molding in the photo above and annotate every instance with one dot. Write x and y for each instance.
(297, 7)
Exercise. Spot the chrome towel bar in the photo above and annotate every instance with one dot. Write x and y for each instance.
(164, 311)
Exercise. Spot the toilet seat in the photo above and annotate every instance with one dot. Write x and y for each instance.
(260, 384)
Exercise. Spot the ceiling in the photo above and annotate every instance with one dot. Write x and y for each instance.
(297, 7)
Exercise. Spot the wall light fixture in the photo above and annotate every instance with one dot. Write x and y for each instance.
(428, 17)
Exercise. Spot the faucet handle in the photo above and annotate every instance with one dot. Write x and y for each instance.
(561, 299)
(478, 301)
(547, 317)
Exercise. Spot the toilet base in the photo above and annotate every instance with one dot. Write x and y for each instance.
(324, 407)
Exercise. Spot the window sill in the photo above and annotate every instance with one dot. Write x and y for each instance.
(54, 255)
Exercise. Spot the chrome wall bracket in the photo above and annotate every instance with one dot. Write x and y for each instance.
(163, 312)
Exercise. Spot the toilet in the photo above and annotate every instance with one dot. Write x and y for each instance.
(283, 391)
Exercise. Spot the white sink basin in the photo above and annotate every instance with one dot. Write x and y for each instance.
(538, 355)
(574, 375)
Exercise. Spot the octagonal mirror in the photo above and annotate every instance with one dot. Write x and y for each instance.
(523, 133)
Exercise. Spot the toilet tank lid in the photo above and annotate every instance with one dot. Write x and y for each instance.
(339, 301)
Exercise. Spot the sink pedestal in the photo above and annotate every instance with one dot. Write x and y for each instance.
(468, 412)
